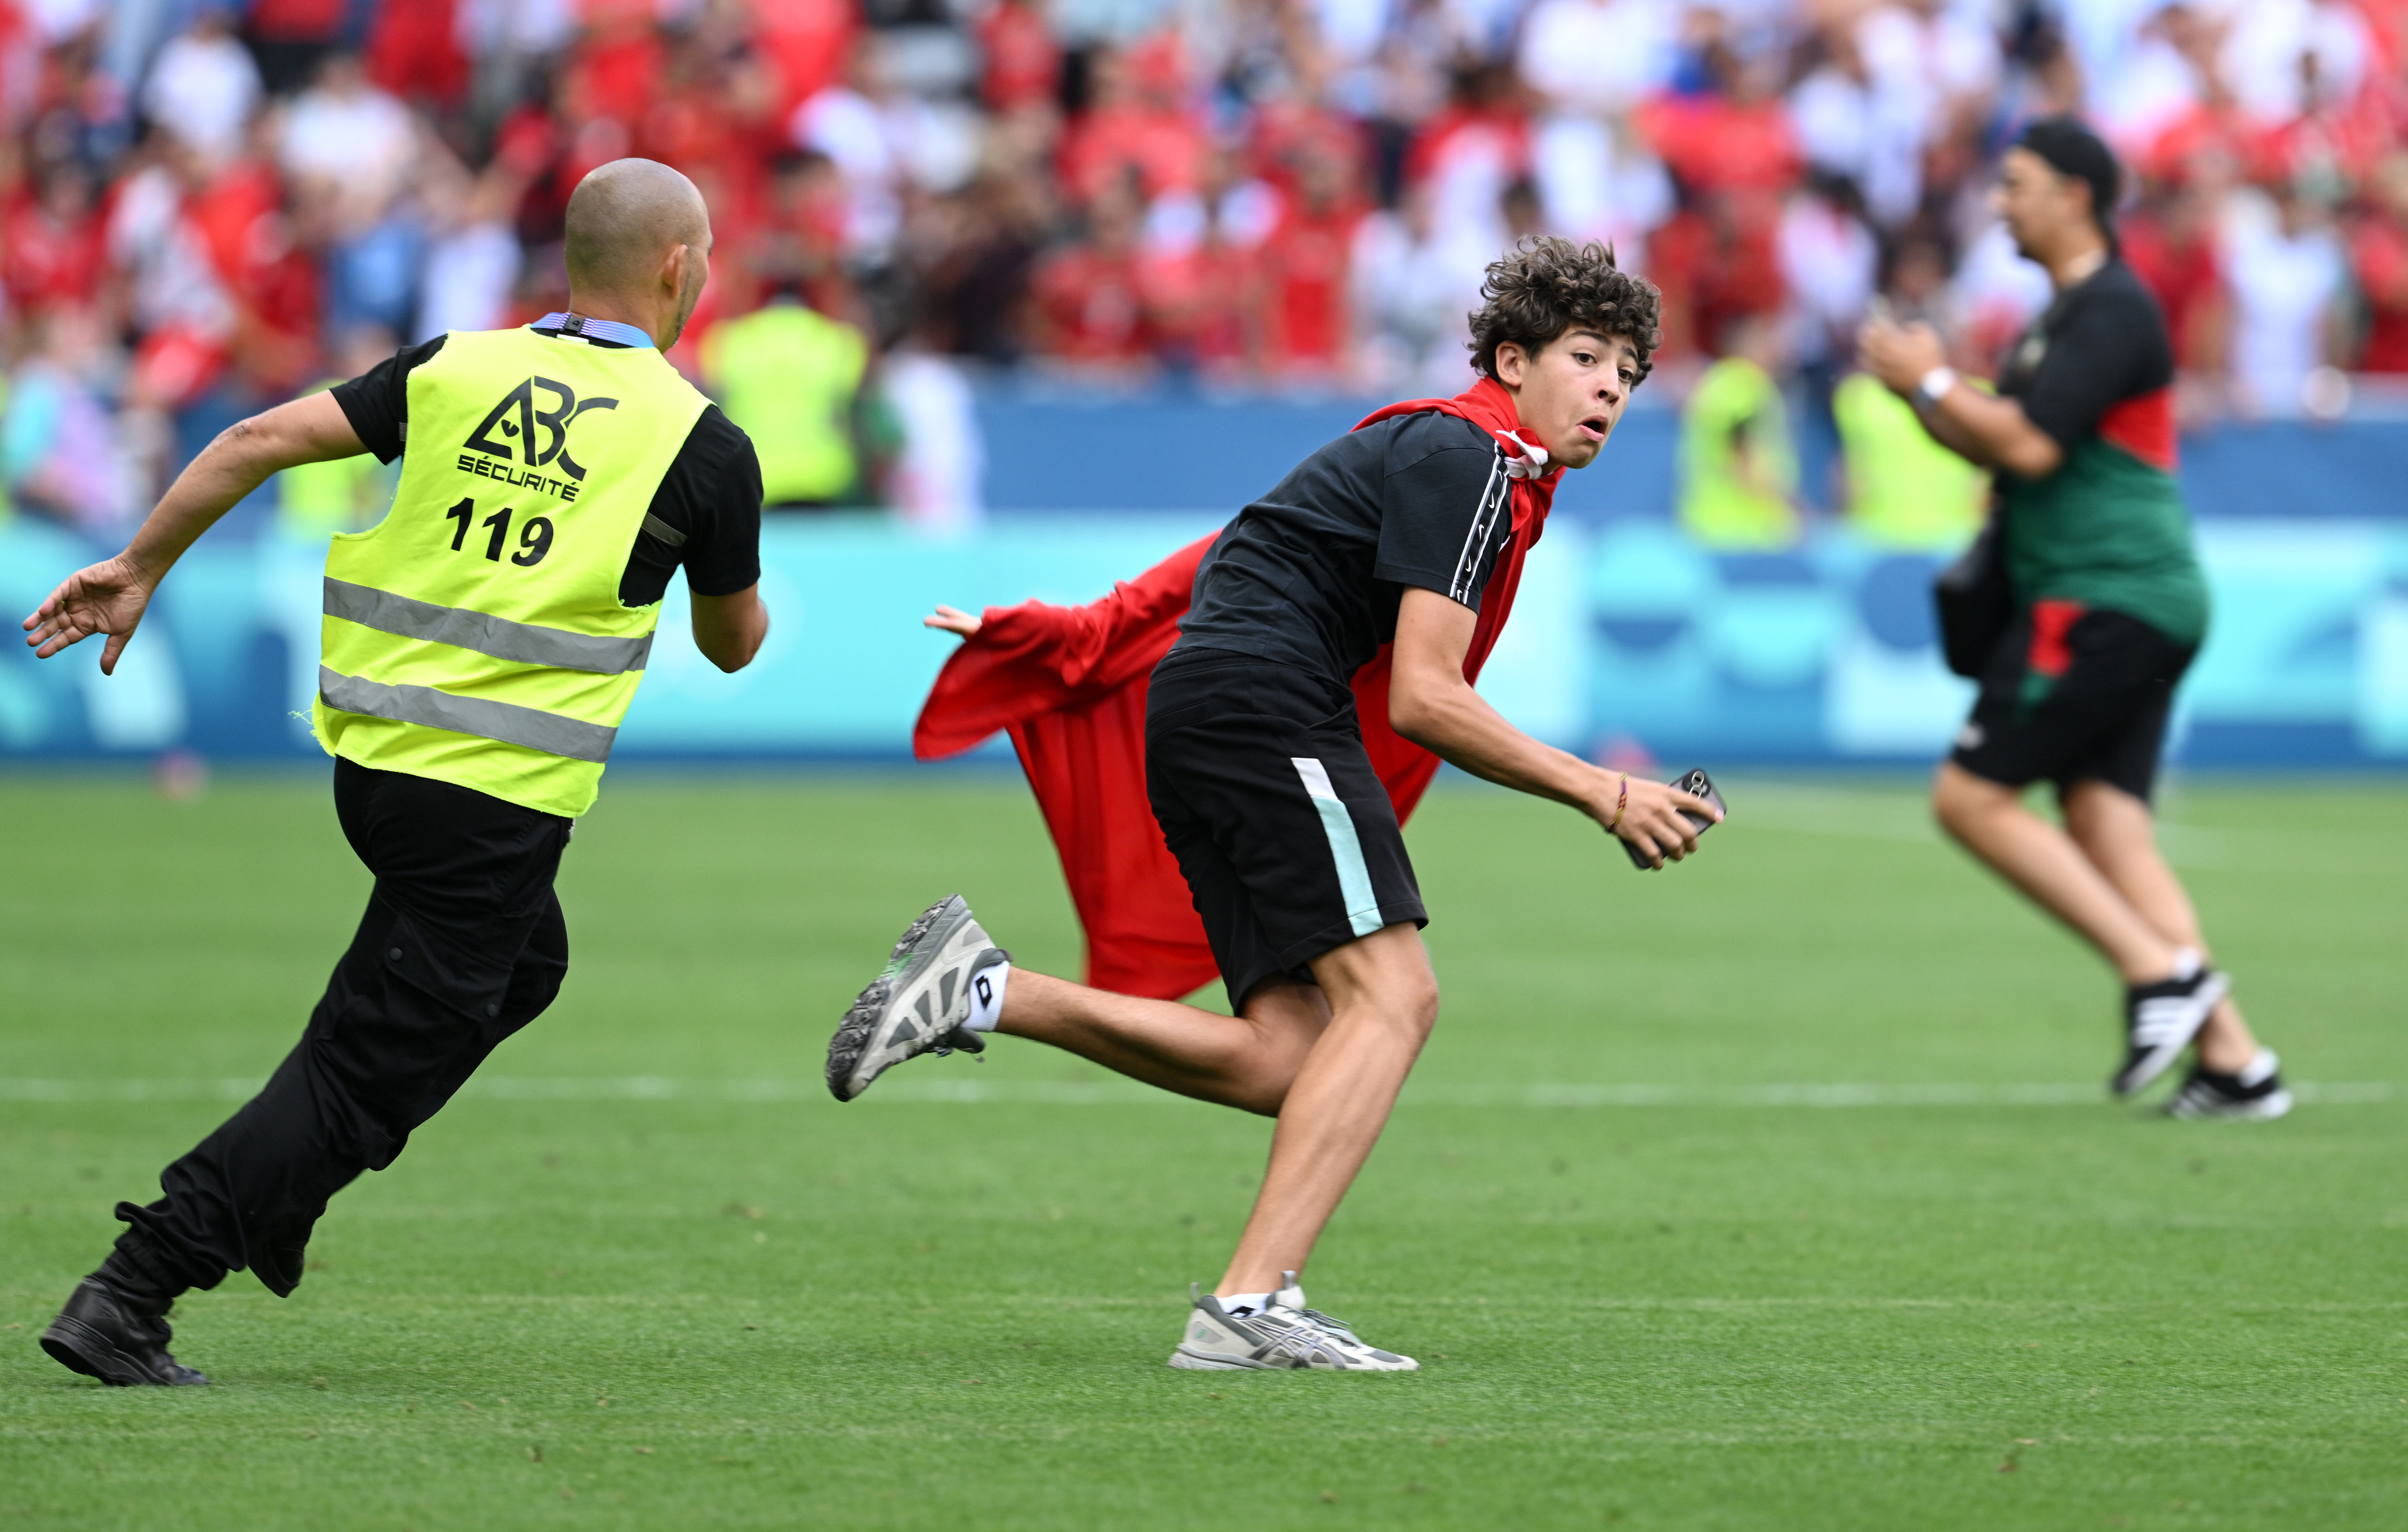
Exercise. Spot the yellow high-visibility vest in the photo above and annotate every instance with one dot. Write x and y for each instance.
(339, 494)
(787, 377)
(1736, 401)
(475, 636)
(1905, 489)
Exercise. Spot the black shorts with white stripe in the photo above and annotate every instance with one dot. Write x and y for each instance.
(1290, 846)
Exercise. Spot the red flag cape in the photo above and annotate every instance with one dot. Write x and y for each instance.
(1070, 684)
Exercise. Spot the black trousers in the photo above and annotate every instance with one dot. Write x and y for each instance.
(463, 944)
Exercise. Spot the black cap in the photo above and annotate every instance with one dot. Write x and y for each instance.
(2072, 148)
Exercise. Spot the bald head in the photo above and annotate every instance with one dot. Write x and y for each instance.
(624, 218)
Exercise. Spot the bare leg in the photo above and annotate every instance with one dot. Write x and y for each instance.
(2117, 834)
(1326, 1059)
(1991, 822)
(1244, 1061)
(1383, 1003)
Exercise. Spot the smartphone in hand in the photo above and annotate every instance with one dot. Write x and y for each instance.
(1697, 785)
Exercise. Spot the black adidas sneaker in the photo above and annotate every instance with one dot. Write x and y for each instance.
(2253, 1094)
(2161, 1019)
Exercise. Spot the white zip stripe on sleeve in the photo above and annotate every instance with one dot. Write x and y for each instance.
(1483, 527)
(1345, 846)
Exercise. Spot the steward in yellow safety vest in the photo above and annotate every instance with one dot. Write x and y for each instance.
(480, 646)
(791, 377)
(1739, 467)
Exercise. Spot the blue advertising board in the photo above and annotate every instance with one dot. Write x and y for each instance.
(1626, 634)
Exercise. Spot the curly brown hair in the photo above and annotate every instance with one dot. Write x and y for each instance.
(1548, 285)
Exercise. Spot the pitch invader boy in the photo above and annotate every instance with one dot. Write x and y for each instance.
(479, 646)
(1397, 544)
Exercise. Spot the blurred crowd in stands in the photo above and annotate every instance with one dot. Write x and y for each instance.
(210, 205)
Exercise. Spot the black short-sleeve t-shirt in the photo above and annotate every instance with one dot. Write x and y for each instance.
(1311, 573)
(709, 503)
(2102, 342)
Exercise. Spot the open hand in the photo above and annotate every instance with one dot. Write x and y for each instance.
(1654, 819)
(953, 619)
(107, 597)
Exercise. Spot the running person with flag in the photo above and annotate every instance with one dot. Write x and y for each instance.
(1322, 667)
(480, 645)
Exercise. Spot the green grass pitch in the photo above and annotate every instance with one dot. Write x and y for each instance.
(1775, 1191)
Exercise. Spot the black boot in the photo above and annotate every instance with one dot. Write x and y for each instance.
(103, 1334)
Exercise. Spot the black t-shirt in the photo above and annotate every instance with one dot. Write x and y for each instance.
(709, 503)
(1311, 574)
(2102, 342)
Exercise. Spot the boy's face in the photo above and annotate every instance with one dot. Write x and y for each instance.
(1571, 393)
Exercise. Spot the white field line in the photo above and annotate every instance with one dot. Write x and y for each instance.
(1871, 814)
(1127, 1092)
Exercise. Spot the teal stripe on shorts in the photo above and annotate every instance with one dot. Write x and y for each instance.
(1345, 848)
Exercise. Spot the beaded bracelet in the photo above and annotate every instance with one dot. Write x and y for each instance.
(1621, 802)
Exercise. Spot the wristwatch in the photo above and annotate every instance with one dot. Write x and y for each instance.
(1936, 385)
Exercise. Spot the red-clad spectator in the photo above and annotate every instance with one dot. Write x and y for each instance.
(2338, 137)
(1468, 153)
(1193, 278)
(1736, 139)
(1718, 264)
(2169, 241)
(714, 109)
(1024, 63)
(414, 53)
(1303, 273)
(1287, 130)
(239, 217)
(1734, 154)
(620, 57)
(51, 243)
(1090, 306)
(15, 66)
(2379, 255)
(807, 41)
(1140, 122)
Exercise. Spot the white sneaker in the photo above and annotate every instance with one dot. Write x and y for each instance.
(1285, 1335)
(919, 1004)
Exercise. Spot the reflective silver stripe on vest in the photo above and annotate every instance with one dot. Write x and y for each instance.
(487, 720)
(495, 637)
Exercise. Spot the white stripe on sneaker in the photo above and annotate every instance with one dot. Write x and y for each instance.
(1345, 846)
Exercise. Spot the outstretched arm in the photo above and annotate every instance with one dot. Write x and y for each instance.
(110, 596)
(1430, 703)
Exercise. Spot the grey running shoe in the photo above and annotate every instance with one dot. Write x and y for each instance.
(1284, 1335)
(1291, 1297)
(2160, 1020)
(919, 1004)
(2255, 1095)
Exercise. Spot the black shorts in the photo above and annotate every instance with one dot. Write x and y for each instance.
(1288, 842)
(2073, 695)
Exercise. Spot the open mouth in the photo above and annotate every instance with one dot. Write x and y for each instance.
(1596, 426)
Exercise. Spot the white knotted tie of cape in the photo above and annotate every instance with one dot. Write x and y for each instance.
(1523, 459)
